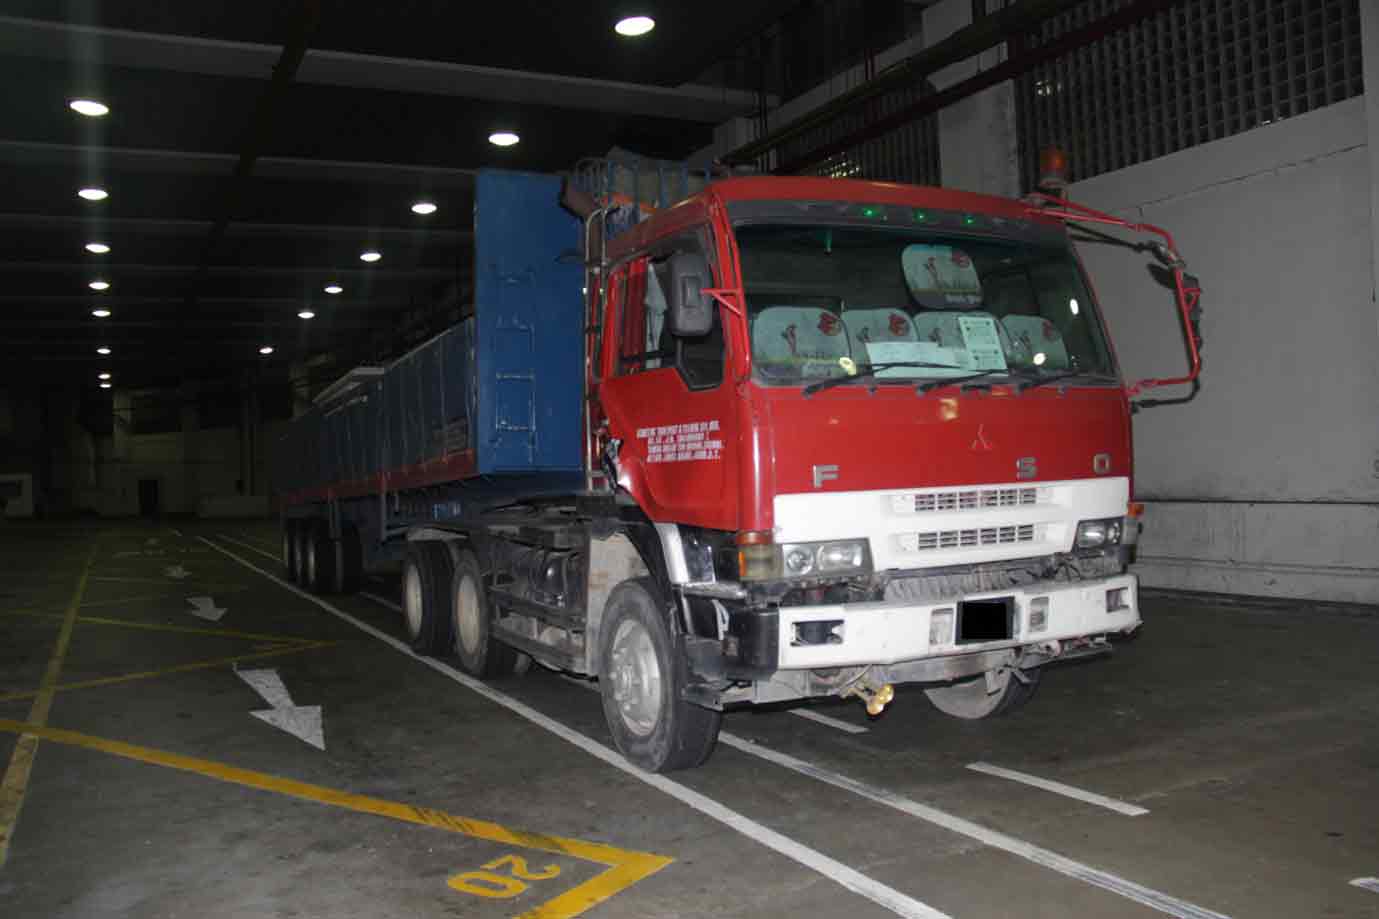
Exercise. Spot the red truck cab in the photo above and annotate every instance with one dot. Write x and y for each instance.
(881, 430)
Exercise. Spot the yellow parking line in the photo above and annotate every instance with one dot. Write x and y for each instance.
(179, 668)
(625, 867)
(15, 784)
(160, 627)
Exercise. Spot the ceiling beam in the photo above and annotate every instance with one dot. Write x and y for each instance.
(228, 271)
(220, 165)
(157, 226)
(215, 57)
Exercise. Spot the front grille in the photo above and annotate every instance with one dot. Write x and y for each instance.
(976, 537)
(968, 499)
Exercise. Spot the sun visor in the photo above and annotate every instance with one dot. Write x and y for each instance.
(941, 277)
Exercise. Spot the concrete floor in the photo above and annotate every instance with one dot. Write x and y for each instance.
(1248, 733)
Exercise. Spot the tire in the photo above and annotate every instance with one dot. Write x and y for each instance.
(641, 678)
(426, 577)
(301, 530)
(349, 559)
(290, 550)
(318, 569)
(969, 700)
(479, 653)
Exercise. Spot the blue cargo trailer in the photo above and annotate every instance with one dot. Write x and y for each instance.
(488, 410)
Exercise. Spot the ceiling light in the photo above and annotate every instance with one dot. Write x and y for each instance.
(306, 314)
(633, 26)
(89, 107)
(423, 208)
(334, 289)
(266, 349)
(93, 194)
(99, 285)
(1072, 307)
(102, 350)
(101, 313)
(105, 376)
(97, 248)
(1040, 358)
(370, 255)
(105, 386)
(503, 138)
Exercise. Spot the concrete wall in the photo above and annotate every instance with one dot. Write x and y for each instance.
(1268, 481)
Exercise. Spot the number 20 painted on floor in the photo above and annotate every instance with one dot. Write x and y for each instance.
(488, 883)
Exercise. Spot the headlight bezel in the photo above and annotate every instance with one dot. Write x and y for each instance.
(1098, 533)
(819, 561)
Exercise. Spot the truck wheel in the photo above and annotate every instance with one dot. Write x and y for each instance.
(301, 531)
(426, 577)
(970, 701)
(319, 568)
(349, 559)
(480, 654)
(641, 679)
(290, 549)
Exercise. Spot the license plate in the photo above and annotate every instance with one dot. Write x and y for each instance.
(992, 619)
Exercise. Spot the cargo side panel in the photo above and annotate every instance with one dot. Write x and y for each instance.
(530, 326)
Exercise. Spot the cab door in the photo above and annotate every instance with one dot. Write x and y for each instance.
(669, 401)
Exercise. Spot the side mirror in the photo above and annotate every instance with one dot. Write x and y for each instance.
(689, 311)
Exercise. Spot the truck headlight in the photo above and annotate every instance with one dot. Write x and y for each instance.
(843, 557)
(1098, 534)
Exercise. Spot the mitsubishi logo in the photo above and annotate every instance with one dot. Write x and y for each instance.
(981, 444)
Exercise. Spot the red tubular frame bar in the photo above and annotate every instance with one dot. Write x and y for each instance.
(1186, 293)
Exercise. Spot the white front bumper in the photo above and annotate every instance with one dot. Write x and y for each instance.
(889, 633)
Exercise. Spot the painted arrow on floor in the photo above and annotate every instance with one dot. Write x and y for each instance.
(205, 608)
(177, 572)
(301, 721)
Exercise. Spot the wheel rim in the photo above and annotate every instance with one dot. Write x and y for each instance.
(467, 614)
(311, 561)
(970, 699)
(635, 674)
(411, 600)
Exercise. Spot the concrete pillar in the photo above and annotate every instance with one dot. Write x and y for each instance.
(1369, 29)
(978, 146)
(190, 418)
(116, 485)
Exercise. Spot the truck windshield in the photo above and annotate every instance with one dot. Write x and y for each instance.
(824, 301)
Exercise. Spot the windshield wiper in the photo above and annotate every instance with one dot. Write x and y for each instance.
(1065, 375)
(928, 385)
(865, 371)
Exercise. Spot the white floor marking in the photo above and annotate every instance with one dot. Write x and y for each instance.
(837, 723)
(1370, 884)
(205, 608)
(1058, 788)
(381, 601)
(301, 721)
(1147, 896)
(250, 546)
(176, 531)
(176, 572)
(879, 893)
(151, 541)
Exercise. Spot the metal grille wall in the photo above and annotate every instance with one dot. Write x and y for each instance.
(1199, 71)
(909, 153)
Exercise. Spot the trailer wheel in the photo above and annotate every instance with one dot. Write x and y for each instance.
(969, 699)
(426, 577)
(319, 569)
(301, 532)
(641, 680)
(290, 549)
(349, 559)
(481, 655)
